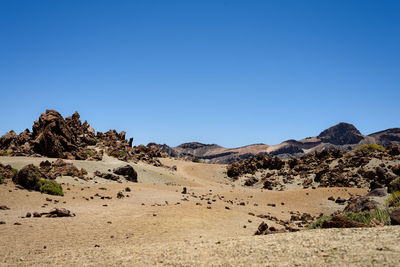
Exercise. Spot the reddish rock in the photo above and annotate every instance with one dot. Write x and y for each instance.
(341, 221)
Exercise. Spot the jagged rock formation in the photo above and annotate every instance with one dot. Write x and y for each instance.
(343, 136)
(69, 138)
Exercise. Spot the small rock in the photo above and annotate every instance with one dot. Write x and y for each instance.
(395, 217)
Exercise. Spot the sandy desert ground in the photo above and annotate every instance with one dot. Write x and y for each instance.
(155, 224)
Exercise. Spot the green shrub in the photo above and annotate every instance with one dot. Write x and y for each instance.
(50, 187)
(394, 199)
(317, 224)
(30, 179)
(1, 179)
(366, 216)
(122, 153)
(370, 147)
(5, 153)
(89, 152)
(15, 171)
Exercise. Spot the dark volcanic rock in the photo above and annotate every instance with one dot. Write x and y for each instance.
(108, 176)
(395, 217)
(341, 134)
(59, 212)
(27, 177)
(128, 172)
(60, 168)
(378, 192)
(361, 204)
(7, 172)
(52, 136)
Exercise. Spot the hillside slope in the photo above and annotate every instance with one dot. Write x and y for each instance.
(343, 136)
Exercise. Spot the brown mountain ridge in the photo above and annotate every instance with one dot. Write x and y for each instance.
(343, 136)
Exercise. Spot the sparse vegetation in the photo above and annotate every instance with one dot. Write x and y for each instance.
(382, 215)
(394, 199)
(362, 217)
(31, 179)
(1, 179)
(89, 152)
(122, 153)
(5, 153)
(196, 160)
(50, 187)
(370, 147)
(15, 171)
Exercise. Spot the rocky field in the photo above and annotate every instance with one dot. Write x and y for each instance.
(70, 196)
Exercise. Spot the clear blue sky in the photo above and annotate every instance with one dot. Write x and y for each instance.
(226, 72)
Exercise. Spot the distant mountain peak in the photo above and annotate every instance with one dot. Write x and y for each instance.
(341, 134)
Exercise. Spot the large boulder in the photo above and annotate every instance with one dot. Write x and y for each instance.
(362, 203)
(128, 172)
(28, 177)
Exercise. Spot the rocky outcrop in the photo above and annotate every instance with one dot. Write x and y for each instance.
(327, 168)
(253, 164)
(51, 136)
(61, 168)
(69, 138)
